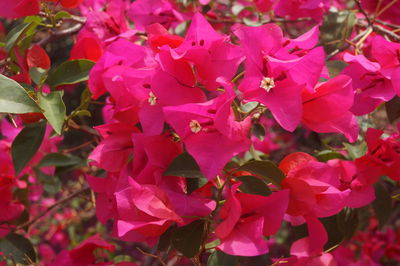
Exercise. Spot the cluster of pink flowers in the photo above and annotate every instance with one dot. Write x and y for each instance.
(203, 96)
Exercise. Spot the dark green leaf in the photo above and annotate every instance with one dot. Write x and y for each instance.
(14, 99)
(382, 204)
(335, 67)
(70, 72)
(17, 34)
(54, 109)
(253, 185)
(357, 150)
(327, 155)
(26, 144)
(219, 258)
(393, 109)
(18, 248)
(193, 184)
(265, 169)
(166, 239)
(38, 75)
(184, 165)
(58, 159)
(51, 184)
(335, 235)
(347, 221)
(187, 239)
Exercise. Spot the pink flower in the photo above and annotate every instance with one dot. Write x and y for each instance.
(322, 113)
(246, 218)
(209, 131)
(18, 8)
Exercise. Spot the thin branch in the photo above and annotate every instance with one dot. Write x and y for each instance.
(152, 255)
(387, 24)
(54, 35)
(55, 205)
(387, 32)
(358, 3)
(355, 39)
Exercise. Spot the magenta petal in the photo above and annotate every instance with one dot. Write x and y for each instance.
(246, 239)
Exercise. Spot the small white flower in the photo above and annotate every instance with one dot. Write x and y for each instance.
(267, 83)
(152, 99)
(195, 126)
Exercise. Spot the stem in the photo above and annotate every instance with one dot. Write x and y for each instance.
(55, 205)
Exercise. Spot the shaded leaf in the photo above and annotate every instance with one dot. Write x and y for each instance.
(357, 150)
(19, 248)
(253, 185)
(26, 144)
(347, 221)
(165, 241)
(187, 239)
(335, 67)
(184, 165)
(58, 159)
(219, 258)
(18, 33)
(14, 99)
(335, 235)
(327, 155)
(265, 169)
(70, 72)
(193, 184)
(393, 109)
(54, 109)
(51, 184)
(382, 204)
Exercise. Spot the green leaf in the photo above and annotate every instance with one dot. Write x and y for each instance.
(62, 14)
(14, 99)
(187, 239)
(193, 184)
(18, 248)
(347, 221)
(335, 67)
(82, 113)
(60, 160)
(335, 235)
(219, 258)
(327, 155)
(17, 34)
(357, 150)
(70, 72)
(184, 165)
(337, 26)
(265, 169)
(26, 144)
(253, 185)
(393, 109)
(54, 109)
(382, 204)
(165, 241)
(38, 75)
(51, 184)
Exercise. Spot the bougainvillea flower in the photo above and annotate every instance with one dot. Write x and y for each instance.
(83, 254)
(323, 114)
(37, 57)
(113, 151)
(68, 3)
(18, 8)
(146, 12)
(370, 86)
(211, 53)
(144, 210)
(209, 131)
(305, 8)
(88, 46)
(116, 54)
(159, 36)
(313, 188)
(246, 218)
(382, 158)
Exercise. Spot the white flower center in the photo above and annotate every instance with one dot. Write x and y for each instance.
(152, 99)
(195, 126)
(267, 83)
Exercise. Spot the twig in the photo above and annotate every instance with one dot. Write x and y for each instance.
(358, 3)
(387, 24)
(60, 34)
(79, 147)
(55, 205)
(387, 32)
(152, 255)
(355, 39)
